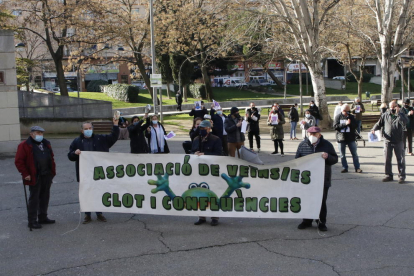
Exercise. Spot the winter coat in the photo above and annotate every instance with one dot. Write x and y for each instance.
(358, 116)
(148, 135)
(293, 115)
(314, 111)
(178, 98)
(210, 146)
(306, 148)
(198, 113)
(393, 126)
(218, 123)
(410, 123)
(138, 143)
(276, 131)
(309, 122)
(232, 129)
(338, 126)
(253, 125)
(194, 133)
(25, 162)
(101, 142)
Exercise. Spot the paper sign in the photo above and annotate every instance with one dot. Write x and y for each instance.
(169, 135)
(357, 109)
(216, 105)
(344, 129)
(197, 105)
(273, 119)
(374, 137)
(244, 127)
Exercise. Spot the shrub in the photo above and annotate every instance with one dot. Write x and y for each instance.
(95, 85)
(198, 91)
(122, 92)
(365, 77)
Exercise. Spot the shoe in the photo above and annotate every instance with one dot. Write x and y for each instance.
(275, 152)
(322, 227)
(258, 150)
(47, 221)
(251, 149)
(34, 225)
(200, 221)
(101, 218)
(214, 222)
(344, 171)
(295, 138)
(387, 179)
(282, 154)
(358, 171)
(412, 154)
(304, 225)
(87, 219)
(401, 181)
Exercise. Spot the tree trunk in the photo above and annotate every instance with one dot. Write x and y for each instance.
(60, 73)
(274, 78)
(207, 83)
(360, 88)
(185, 88)
(318, 84)
(168, 91)
(387, 82)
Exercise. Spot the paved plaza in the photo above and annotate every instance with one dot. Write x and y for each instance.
(371, 229)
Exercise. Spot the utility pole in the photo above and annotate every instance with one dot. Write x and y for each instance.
(153, 64)
(300, 87)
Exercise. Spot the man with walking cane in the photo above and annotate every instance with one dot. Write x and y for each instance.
(34, 160)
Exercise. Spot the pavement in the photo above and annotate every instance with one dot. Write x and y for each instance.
(371, 227)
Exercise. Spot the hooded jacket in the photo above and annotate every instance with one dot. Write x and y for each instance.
(393, 126)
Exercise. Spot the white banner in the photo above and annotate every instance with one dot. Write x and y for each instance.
(189, 185)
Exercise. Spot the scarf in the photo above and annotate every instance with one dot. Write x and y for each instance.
(157, 139)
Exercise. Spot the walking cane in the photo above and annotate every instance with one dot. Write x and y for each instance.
(27, 205)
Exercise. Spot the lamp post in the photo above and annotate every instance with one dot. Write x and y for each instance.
(154, 71)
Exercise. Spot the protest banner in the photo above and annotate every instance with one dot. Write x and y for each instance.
(190, 185)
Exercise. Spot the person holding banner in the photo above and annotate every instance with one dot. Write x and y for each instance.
(253, 117)
(199, 113)
(276, 120)
(88, 141)
(316, 143)
(35, 162)
(232, 125)
(155, 135)
(136, 134)
(218, 119)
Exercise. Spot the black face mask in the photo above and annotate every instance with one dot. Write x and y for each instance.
(237, 115)
(407, 106)
(384, 109)
(393, 110)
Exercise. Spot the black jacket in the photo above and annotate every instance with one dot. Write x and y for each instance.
(148, 135)
(314, 111)
(293, 115)
(345, 136)
(101, 142)
(194, 133)
(198, 113)
(218, 124)
(392, 126)
(410, 124)
(136, 134)
(253, 125)
(232, 130)
(178, 99)
(209, 146)
(306, 148)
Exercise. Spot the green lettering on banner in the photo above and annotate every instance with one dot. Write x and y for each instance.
(238, 204)
(294, 175)
(263, 204)
(178, 203)
(166, 202)
(226, 204)
(215, 170)
(98, 173)
(251, 204)
(105, 199)
(127, 200)
(214, 205)
(253, 172)
(274, 173)
(110, 172)
(232, 170)
(115, 201)
(244, 171)
(149, 169)
(169, 168)
(273, 204)
(203, 169)
(130, 170)
(177, 168)
(141, 169)
(295, 205)
(186, 168)
(203, 201)
(158, 169)
(139, 199)
(153, 202)
(305, 177)
(283, 204)
(120, 171)
(264, 173)
(191, 203)
(285, 173)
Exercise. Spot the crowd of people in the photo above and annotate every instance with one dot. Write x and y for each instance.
(214, 133)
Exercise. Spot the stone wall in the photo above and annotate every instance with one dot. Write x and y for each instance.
(9, 110)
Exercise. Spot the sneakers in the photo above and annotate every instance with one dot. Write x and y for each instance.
(258, 150)
(101, 218)
(47, 221)
(358, 171)
(200, 221)
(305, 225)
(214, 222)
(401, 181)
(282, 154)
(344, 171)
(87, 219)
(275, 152)
(322, 227)
(387, 179)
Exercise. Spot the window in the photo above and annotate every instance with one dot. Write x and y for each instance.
(17, 12)
(124, 79)
(411, 52)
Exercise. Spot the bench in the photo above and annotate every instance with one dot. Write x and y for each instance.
(102, 126)
(376, 103)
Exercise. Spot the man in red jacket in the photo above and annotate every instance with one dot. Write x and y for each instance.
(34, 160)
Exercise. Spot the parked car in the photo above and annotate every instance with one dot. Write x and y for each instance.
(339, 78)
(258, 82)
(238, 83)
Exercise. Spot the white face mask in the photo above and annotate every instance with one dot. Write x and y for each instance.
(312, 104)
(313, 139)
(307, 115)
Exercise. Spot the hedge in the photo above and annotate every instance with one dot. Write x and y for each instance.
(122, 92)
(365, 77)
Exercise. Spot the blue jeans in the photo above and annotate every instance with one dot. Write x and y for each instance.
(316, 122)
(359, 124)
(89, 213)
(293, 129)
(353, 149)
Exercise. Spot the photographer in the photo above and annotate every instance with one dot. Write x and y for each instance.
(232, 125)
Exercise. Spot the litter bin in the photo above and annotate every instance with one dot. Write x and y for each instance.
(367, 95)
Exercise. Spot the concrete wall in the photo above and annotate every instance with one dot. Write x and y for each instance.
(9, 110)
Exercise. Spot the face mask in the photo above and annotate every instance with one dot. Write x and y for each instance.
(237, 115)
(154, 122)
(406, 106)
(88, 132)
(393, 110)
(38, 138)
(312, 104)
(307, 115)
(203, 132)
(253, 107)
(135, 123)
(348, 112)
(219, 112)
(313, 139)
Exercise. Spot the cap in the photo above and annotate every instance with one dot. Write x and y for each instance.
(207, 117)
(205, 123)
(407, 101)
(36, 128)
(314, 129)
(234, 110)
